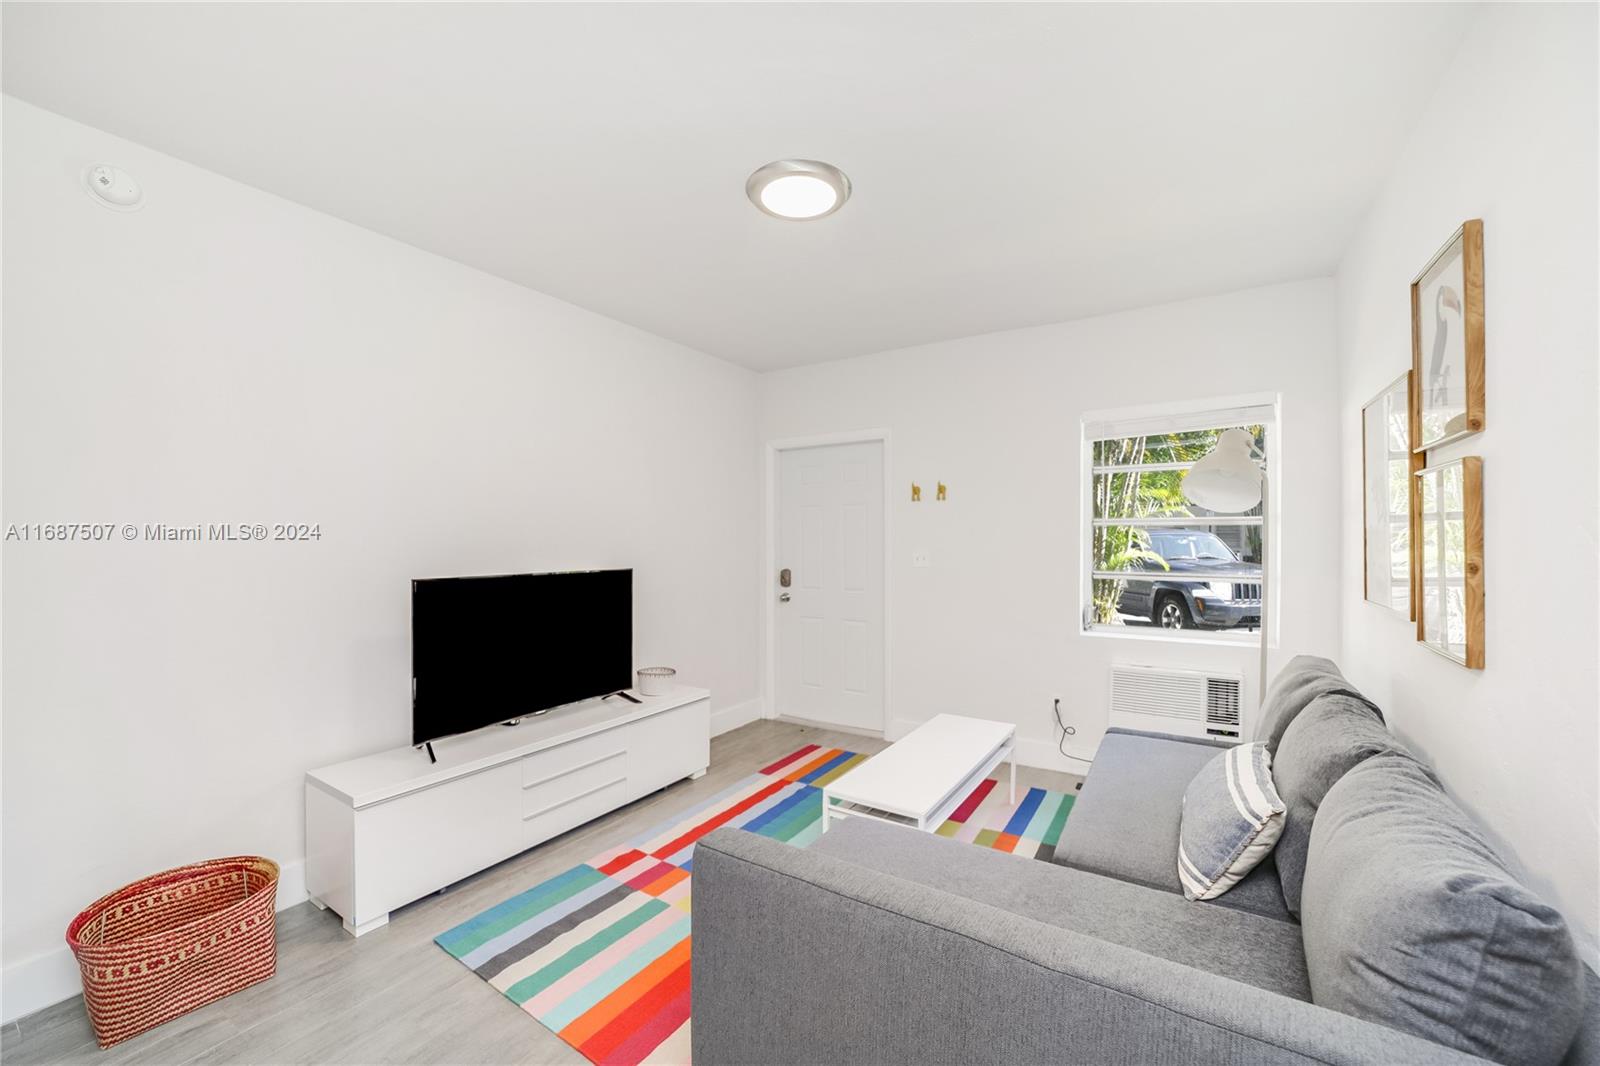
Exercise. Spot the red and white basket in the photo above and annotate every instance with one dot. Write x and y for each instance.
(174, 941)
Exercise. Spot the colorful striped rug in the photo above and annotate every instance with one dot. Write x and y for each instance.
(600, 954)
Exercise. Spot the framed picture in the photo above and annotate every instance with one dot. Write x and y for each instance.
(1447, 341)
(1388, 465)
(1449, 585)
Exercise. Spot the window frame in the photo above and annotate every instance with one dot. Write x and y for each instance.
(1263, 409)
(1395, 520)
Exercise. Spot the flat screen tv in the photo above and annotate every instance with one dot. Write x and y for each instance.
(490, 649)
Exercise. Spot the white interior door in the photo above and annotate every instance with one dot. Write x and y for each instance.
(830, 617)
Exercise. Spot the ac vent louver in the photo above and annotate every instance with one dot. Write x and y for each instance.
(1222, 706)
(1191, 703)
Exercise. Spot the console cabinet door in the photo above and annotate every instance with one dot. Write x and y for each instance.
(419, 843)
(668, 747)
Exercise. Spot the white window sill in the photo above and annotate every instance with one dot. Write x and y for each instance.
(1166, 636)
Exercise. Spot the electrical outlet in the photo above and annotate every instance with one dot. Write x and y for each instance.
(921, 558)
(1060, 714)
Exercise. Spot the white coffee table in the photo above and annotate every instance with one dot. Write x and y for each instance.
(921, 779)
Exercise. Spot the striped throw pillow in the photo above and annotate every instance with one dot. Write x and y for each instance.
(1232, 817)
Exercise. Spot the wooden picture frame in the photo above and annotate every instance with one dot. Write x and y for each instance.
(1447, 585)
(1388, 483)
(1447, 342)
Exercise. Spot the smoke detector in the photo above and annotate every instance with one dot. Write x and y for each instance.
(113, 188)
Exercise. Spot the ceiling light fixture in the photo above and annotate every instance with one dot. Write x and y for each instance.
(798, 189)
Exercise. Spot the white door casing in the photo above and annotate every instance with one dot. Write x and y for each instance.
(830, 630)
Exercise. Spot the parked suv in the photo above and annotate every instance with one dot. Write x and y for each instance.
(1172, 602)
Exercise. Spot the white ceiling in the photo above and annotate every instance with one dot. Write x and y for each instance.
(1013, 164)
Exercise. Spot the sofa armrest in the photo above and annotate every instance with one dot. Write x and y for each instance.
(804, 958)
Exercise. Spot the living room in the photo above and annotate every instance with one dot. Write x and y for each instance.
(1046, 488)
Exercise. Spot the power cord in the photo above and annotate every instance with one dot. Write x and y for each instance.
(1066, 731)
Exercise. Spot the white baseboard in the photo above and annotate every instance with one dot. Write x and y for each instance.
(52, 977)
(832, 727)
(291, 884)
(734, 716)
(899, 727)
(36, 983)
(1044, 755)
(1040, 754)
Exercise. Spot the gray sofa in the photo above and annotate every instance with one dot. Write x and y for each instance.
(880, 944)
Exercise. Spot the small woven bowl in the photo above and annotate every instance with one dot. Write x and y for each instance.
(656, 680)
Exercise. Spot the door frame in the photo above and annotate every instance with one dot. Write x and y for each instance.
(769, 609)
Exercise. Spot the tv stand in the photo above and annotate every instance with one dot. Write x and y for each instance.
(385, 830)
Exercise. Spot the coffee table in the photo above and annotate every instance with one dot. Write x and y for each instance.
(921, 779)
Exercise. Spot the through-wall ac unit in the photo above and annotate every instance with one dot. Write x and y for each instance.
(1190, 703)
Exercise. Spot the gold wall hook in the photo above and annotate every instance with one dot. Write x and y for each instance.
(916, 493)
(940, 491)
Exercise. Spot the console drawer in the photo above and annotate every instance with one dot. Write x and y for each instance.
(576, 756)
(554, 806)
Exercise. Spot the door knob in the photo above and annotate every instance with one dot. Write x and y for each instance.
(783, 597)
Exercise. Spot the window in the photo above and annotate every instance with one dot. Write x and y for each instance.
(1204, 567)
(1389, 464)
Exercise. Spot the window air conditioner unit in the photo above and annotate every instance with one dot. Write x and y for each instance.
(1189, 703)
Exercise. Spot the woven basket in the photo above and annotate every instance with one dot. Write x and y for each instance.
(175, 941)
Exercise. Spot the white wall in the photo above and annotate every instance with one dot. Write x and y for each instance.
(1510, 137)
(991, 628)
(224, 355)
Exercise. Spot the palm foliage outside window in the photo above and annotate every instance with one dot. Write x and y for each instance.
(1152, 553)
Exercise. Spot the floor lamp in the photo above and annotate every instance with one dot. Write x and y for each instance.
(1230, 481)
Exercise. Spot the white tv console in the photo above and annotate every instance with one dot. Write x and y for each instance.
(390, 828)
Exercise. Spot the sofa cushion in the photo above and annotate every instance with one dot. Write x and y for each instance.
(1412, 921)
(1231, 943)
(1303, 680)
(1125, 822)
(1585, 1049)
(1320, 746)
(1231, 818)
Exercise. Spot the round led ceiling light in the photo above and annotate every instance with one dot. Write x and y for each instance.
(798, 190)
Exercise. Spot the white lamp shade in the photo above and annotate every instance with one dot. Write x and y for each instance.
(1227, 480)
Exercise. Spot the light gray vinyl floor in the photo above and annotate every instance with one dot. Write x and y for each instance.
(393, 996)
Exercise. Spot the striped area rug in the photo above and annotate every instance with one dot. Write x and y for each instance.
(600, 953)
